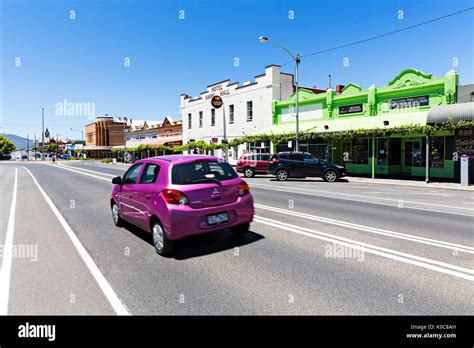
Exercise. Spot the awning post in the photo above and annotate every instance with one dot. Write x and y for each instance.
(427, 144)
(373, 157)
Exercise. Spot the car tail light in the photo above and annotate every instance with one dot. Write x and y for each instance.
(174, 197)
(243, 188)
(274, 160)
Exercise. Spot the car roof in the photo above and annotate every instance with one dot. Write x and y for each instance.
(293, 152)
(255, 153)
(174, 159)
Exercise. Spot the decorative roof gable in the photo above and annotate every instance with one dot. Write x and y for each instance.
(351, 88)
(303, 94)
(409, 78)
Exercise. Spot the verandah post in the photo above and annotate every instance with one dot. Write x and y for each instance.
(373, 157)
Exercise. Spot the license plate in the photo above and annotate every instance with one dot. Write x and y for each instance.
(217, 218)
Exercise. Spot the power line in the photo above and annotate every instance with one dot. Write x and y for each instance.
(389, 33)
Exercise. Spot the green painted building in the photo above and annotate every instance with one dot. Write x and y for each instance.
(398, 111)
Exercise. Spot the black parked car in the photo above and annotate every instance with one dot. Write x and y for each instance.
(5, 157)
(303, 164)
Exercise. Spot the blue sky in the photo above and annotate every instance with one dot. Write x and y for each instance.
(82, 60)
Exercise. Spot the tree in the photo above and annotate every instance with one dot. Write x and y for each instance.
(53, 148)
(6, 145)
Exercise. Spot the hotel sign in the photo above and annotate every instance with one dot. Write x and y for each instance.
(217, 90)
(412, 102)
(350, 109)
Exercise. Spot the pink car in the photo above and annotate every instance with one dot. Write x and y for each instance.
(181, 195)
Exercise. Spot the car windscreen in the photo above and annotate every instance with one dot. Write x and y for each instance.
(201, 171)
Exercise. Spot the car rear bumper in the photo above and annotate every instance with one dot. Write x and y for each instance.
(186, 221)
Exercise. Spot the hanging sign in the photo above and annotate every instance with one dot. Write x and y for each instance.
(216, 101)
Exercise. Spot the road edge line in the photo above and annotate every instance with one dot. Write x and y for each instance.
(5, 274)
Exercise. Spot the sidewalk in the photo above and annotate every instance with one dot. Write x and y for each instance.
(431, 185)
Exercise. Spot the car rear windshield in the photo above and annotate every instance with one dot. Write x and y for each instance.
(198, 172)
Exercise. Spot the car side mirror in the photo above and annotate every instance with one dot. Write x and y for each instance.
(117, 180)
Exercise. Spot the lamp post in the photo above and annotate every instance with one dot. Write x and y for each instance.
(42, 134)
(82, 133)
(296, 58)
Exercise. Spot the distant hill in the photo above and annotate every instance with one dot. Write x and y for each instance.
(19, 142)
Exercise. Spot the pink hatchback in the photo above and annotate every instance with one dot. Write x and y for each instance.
(180, 195)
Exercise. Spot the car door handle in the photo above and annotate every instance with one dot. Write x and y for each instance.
(130, 197)
(148, 196)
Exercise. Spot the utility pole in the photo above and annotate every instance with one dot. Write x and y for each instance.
(42, 134)
(329, 80)
(35, 147)
(27, 148)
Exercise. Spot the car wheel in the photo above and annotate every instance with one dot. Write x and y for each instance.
(162, 244)
(330, 176)
(241, 230)
(281, 175)
(249, 172)
(118, 221)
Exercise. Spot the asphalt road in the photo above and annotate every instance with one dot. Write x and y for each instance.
(314, 248)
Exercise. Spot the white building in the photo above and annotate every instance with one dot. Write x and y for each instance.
(247, 106)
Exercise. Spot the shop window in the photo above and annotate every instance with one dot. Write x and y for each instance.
(282, 147)
(382, 150)
(256, 147)
(346, 151)
(189, 121)
(319, 150)
(394, 151)
(449, 147)
(213, 117)
(200, 119)
(360, 151)
(437, 152)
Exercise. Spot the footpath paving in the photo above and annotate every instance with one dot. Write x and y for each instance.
(413, 183)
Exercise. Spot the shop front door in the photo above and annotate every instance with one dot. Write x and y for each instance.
(412, 156)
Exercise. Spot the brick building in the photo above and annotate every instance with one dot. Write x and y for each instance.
(102, 135)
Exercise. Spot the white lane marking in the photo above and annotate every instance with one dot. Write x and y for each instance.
(7, 253)
(407, 193)
(109, 293)
(370, 200)
(441, 267)
(83, 173)
(85, 170)
(429, 241)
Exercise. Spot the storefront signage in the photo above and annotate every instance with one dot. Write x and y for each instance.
(217, 91)
(350, 109)
(464, 142)
(412, 102)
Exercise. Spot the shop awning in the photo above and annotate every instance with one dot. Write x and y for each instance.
(351, 123)
(463, 111)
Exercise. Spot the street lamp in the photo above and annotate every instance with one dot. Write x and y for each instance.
(82, 133)
(296, 58)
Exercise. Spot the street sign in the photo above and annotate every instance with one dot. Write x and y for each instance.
(216, 101)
